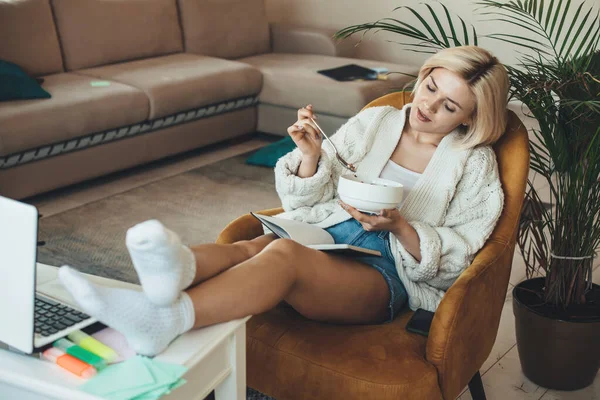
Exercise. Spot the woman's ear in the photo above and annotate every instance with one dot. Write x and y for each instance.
(468, 121)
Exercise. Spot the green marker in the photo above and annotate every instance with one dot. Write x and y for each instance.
(78, 352)
(99, 83)
(84, 340)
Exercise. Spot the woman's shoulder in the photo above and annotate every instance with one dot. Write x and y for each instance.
(379, 110)
(367, 115)
(482, 156)
(481, 166)
(372, 111)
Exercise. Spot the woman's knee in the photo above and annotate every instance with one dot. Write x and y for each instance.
(286, 247)
(285, 252)
(254, 246)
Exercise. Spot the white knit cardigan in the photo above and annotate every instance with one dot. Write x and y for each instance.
(454, 206)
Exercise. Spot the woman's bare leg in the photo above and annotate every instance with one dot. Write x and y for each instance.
(212, 259)
(319, 286)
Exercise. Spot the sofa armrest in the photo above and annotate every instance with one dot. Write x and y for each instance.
(465, 324)
(301, 40)
(245, 227)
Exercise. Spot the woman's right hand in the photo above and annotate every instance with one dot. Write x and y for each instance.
(305, 135)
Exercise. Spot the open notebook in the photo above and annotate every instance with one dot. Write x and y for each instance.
(311, 236)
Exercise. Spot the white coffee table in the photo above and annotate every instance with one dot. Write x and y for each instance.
(215, 357)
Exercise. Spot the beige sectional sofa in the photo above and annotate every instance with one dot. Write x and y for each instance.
(137, 80)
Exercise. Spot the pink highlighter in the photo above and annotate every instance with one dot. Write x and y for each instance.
(68, 362)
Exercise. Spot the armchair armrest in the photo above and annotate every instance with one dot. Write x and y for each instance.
(302, 40)
(465, 324)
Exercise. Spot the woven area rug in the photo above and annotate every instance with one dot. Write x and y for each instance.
(196, 204)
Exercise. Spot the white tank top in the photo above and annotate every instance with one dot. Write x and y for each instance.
(398, 173)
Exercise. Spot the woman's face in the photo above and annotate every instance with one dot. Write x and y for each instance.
(442, 102)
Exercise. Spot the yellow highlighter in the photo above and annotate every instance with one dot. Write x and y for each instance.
(90, 344)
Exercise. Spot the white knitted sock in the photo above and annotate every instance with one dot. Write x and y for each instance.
(148, 328)
(165, 266)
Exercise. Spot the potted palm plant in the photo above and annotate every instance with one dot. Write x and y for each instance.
(557, 78)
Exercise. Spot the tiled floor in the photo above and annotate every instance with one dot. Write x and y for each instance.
(501, 373)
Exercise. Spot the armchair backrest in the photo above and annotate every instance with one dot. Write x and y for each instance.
(466, 322)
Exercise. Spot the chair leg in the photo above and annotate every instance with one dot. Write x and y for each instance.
(476, 387)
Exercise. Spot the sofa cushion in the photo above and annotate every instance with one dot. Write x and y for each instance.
(290, 357)
(15, 84)
(29, 38)
(183, 81)
(75, 109)
(98, 32)
(291, 80)
(225, 28)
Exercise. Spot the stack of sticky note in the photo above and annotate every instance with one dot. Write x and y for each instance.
(137, 378)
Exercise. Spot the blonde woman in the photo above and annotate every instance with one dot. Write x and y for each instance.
(437, 147)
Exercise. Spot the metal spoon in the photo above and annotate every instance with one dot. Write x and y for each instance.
(337, 154)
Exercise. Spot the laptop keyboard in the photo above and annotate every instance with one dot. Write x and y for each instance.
(52, 317)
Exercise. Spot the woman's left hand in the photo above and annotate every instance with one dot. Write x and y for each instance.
(387, 220)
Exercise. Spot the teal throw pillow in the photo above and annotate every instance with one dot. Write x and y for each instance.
(268, 155)
(15, 84)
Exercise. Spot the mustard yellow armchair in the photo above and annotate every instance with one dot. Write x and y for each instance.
(292, 358)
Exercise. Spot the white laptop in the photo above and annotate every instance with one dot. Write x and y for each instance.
(30, 320)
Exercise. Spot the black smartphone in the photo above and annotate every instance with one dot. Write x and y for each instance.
(420, 322)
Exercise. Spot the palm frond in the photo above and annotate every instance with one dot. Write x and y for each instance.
(514, 21)
(571, 43)
(443, 34)
(548, 15)
(451, 25)
(425, 24)
(525, 40)
(550, 24)
(439, 29)
(564, 13)
(466, 32)
(591, 38)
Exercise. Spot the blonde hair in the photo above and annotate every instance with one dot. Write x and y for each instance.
(488, 80)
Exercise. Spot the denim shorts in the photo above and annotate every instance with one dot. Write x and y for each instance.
(352, 232)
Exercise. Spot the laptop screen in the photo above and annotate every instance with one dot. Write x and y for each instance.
(18, 249)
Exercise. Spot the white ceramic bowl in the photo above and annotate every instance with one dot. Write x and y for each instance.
(370, 196)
